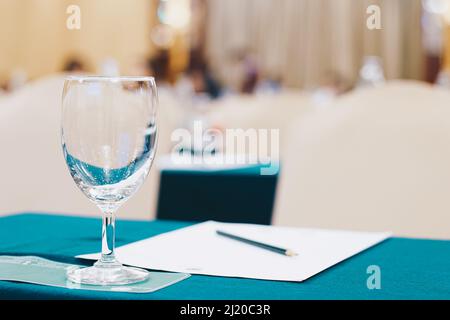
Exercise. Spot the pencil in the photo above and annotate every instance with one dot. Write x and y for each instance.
(286, 252)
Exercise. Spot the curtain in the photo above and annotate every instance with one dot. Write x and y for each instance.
(301, 41)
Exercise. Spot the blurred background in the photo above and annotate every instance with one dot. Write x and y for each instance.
(359, 92)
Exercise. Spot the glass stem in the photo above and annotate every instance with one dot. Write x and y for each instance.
(108, 238)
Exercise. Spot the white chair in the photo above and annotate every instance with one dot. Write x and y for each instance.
(377, 159)
(271, 111)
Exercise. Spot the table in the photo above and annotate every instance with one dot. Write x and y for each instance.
(410, 268)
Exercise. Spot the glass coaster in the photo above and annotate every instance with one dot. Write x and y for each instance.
(36, 270)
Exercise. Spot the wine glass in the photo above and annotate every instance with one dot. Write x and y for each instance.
(109, 141)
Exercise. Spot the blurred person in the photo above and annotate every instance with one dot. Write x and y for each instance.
(74, 64)
(3, 88)
(371, 72)
(433, 28)
(200, 76)
(159, 67)
(251, 74)
(244, 72)
(196, 88)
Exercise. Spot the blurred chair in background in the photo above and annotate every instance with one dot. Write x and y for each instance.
(377, 160)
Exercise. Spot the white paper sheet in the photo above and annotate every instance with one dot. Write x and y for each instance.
(198, 249)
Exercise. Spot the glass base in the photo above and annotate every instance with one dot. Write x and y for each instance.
(107, 274)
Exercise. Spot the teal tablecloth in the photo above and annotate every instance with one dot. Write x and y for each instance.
(410, 268)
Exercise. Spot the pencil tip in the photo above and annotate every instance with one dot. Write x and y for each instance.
(291, 253)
